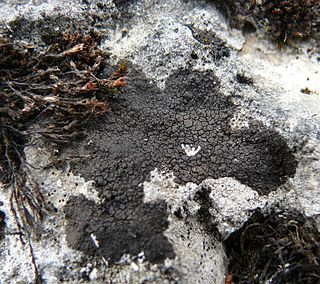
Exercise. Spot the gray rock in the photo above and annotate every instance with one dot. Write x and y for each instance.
(186, 153)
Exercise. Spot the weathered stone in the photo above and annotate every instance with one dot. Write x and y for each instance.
(158, 211)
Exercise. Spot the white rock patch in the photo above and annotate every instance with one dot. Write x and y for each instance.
(162, 187)
(232, 203)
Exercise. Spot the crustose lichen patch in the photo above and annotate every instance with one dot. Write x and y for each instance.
(144, 130)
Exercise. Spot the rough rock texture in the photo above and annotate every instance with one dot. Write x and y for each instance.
(40, 21)
(212, 126)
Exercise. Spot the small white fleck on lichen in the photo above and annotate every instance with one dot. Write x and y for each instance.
(94, 239)
(189, 150)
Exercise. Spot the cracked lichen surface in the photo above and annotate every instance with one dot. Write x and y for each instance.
(144, 130)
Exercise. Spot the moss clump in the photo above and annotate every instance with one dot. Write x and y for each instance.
(281, 247)
(289, 20)
(47, 95)
(284, 20)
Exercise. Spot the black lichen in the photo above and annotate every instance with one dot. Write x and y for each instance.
(242, 78)
(121, 226)
(145, 130)
(217, 47)
(2, 224)
(280, 247)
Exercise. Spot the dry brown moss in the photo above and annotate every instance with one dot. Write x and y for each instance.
(290, 20)
(281, 247)
(286, 21)
(48, 94)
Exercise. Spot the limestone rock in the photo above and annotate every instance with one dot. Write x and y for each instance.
(212, 125)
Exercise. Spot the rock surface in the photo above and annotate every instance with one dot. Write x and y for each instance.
(212, 126)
